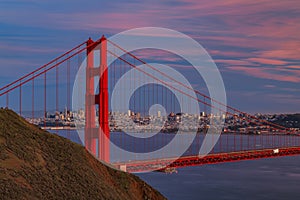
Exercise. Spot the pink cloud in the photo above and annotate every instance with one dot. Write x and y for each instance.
(293, 67)
(291, 54)
(234, 41)
(266, 73)
(267, 61)
(273, 36)
(228, 53)
(233, 62)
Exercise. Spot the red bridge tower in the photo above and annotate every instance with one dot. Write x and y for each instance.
(94, 133)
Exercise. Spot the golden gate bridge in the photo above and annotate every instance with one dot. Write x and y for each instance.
(49, 88)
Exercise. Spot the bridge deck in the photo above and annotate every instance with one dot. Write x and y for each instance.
(151, 165)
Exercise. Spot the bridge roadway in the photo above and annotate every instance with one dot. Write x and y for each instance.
(165, 164)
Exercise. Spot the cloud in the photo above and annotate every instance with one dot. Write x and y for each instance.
(268, 73)
(267, 61)
(234, 62)
(157, 55)
(294, 67)
(228, 54)
(290, 54)
(269, 86)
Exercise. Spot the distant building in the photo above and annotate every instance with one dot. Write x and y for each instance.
(158, 113)
(171, 117)
(202, 114)
(138, 115)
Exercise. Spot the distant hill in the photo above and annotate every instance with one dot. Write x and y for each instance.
(289, 120)
(35, 164)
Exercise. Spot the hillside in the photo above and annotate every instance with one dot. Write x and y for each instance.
(289, 120)
(35, 164)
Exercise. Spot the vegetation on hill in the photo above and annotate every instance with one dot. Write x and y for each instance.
(35, 164)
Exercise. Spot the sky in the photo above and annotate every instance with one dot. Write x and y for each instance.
(255, 44)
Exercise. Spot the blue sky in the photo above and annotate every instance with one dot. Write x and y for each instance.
(255, 44)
